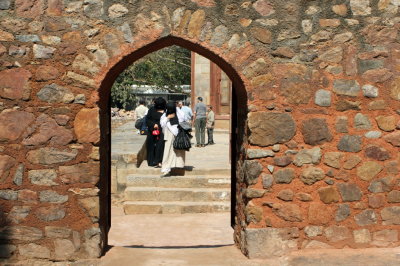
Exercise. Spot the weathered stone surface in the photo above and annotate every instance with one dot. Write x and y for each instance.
(52, 197)
(48, 130)
(8, 194)
(393, 196)
(256, 68)
(343, 211)
(333, 159)
(351, 162)
(393, 138)
(369, 170)
(283, 52)
(23, 233)
(252, 170)
(370, 91)
(219, 36)
(377, 75)
(252, 193)
(93, 8)
(385, 237)
(257, 153)
(270, 128)
(349, 191)
(295, 89)
(18, 214)
(377, 153)
(63, 249)
(6, 36)
(80, 173)
(287, 211)
(45, 73)
(341, 124)
(311, 175)
(34, 251)
(86, 125)
(373, 134)
(346, 87)
(350, 143)
(395, 89)
(262, 35)
(376, 201)
(377, 105)
(92, 207)
(57, 232)
(283, 161)
(319, 214)
(18, 176)
(267, 180)
(117, 11)
(92, 242)
(361, 121)
(43, 177)
(286, 195)
(54, 93)
(284, 176)
(49, 156)
(196, 23)
(253, 214)
(264, 7)
(50, 213)
(328, 194)
(6, 163)
(14, 84)
(391, 215)
(360, 7)
(385, 184)
(332, 55)
(315, 131)
(366, 217)
(43, 52)
(29, 8)
(266, 242)
(308, 156)
(344, 105)
(313, 231)
(362, 236)
(336, 233)
(304, 197)
(27, 196)
(5, 4)
(323, 98)
(83, 63)
(315, 244)
(386, 123)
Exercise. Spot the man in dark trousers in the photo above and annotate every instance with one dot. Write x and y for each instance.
(210, 125)
(200, 111)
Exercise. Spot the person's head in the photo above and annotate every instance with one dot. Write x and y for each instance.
(180, 104)
(170, 108)
(209, 108)
(141, 102)
(159, 103)
(199, 99)
(187, 103)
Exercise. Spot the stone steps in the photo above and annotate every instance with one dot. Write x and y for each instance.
(188, 171)
(174, 207)
(191, 181)
(176, 194)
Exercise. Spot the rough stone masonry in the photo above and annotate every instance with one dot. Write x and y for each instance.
(318, 147)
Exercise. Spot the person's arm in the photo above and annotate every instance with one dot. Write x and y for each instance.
(173, 128)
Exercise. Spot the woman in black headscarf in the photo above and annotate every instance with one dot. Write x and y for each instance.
(155, 137)
(172, 158)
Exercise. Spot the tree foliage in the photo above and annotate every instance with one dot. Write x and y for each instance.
(165, 69)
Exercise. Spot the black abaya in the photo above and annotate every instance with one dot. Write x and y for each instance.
(155, 144)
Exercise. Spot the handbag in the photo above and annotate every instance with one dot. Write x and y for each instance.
(182, 140)
(139, 123)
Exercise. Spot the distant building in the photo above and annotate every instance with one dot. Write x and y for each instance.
(211, 83)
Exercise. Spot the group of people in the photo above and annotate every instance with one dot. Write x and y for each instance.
(161, 123)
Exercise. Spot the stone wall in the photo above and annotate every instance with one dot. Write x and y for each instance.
(317, 162)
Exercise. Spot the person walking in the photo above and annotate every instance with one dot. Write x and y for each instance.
(200, 111)
(141, 112)
(155, 137)
(172, 158)
(210, 126)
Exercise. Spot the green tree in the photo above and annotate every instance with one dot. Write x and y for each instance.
(166, 69)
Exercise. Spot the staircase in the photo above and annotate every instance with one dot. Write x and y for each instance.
(192, 193)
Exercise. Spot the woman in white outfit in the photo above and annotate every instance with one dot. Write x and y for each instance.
(172, 158)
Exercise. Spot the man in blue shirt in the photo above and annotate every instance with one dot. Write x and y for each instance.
(200, 111)
(188, 115)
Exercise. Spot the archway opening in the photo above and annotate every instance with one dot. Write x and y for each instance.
(236, 130)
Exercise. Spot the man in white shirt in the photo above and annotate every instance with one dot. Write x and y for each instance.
(141, 112)
(188, 114)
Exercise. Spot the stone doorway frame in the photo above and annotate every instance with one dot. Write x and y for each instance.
(237, 135)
